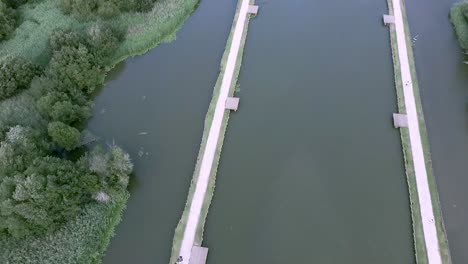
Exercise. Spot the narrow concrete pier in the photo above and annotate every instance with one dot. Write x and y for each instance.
(412, 121)
(209, 149)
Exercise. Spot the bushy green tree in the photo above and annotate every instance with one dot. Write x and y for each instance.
(64, 135)
(68, 113)
(16, 74)
(49, 192)
(75, 69)
(19, 147)
(7, 20)
(57, 106)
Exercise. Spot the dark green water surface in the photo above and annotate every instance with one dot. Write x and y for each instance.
(311, 169)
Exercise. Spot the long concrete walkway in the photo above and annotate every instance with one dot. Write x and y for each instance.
(424, 194)
(212, 141)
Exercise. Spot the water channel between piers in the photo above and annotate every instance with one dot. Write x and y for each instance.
(311, 167)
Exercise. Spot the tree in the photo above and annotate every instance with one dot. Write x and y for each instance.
(64, 135)
(48, 193)
(75, 69)
(20, 146)
(113, 167)
(68, 113)
(7, 20)
(16, 74)
(57, 106)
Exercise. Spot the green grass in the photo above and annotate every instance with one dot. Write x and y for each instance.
(420, 248)
(208, 120)
(460, 24)
(30, 39)
(84, 239)
(144, 30)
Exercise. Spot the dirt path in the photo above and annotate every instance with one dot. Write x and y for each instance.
(424, 195)
(212, 141)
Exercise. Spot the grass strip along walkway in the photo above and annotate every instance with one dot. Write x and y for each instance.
(189, 231)
(430, 241)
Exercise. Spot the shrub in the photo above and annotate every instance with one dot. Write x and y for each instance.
(16, 74)
(87, 9)
(19, 110)
(7, 20)
(120, 166)
(103, 40)
(19, 148)
(108, 10)
(61, 38)
(63, 135)
(114, 166)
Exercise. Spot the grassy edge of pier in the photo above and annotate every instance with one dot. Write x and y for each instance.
(179, 231)
(419, 243)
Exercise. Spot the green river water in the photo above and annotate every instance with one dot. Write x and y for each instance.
(311, 169)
